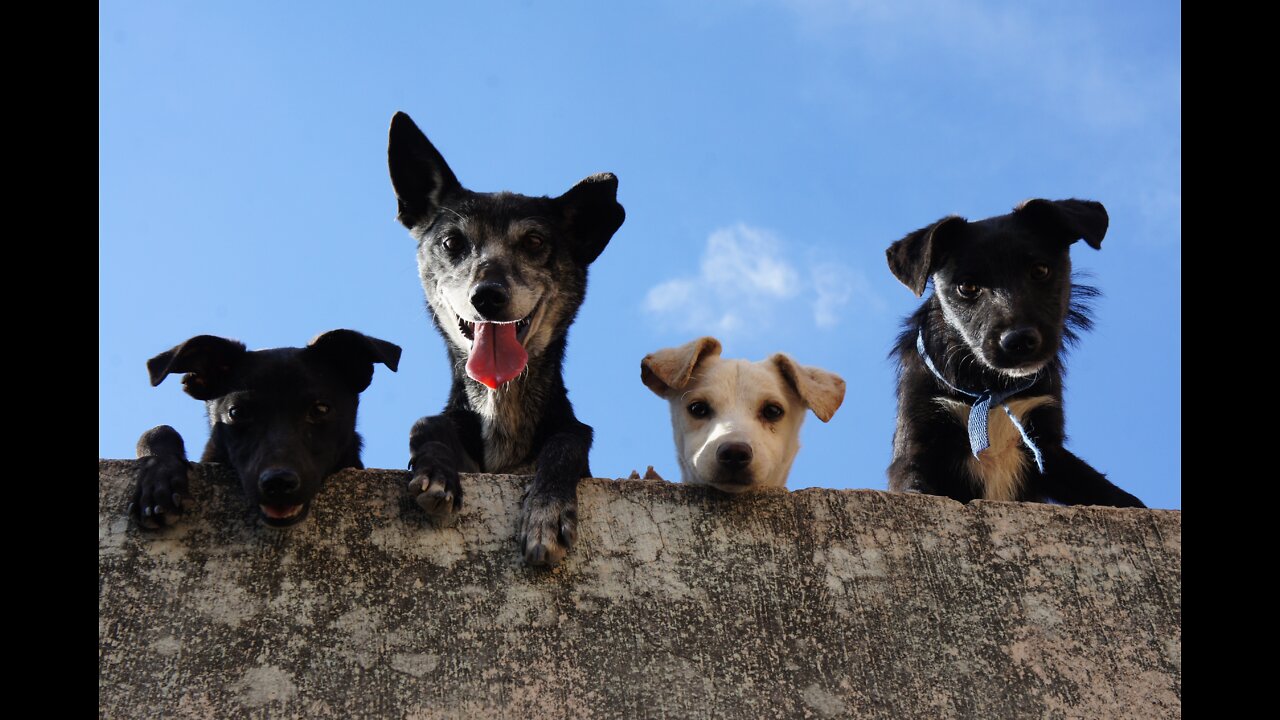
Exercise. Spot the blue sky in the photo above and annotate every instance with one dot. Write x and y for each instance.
(768, 152)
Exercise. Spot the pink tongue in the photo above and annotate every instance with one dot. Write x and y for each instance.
(496, 355)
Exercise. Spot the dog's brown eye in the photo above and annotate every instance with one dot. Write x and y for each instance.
(968, 291)
(453, 244)
(1040, 272)
(533, 242)
(699, 409)
(772, 412)
(238, 414)
(318, 412)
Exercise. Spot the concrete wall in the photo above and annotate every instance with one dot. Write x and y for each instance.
(676, 603)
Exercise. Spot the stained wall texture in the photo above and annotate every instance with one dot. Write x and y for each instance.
(676, 603)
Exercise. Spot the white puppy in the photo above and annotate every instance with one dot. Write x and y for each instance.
(737, 423)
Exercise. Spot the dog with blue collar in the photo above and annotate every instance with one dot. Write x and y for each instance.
(981, 362)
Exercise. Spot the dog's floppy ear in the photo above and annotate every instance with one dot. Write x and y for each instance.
(911, 258)
(592, 215)
(822, 391)
(208, 361)
(668, 371)
(1070, 220)
(354, 354)
(419, 174)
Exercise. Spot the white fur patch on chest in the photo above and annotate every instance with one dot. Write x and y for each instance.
(998, 471)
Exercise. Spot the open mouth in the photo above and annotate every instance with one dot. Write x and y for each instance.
(282, 515)
(497, 354)
(468, 329)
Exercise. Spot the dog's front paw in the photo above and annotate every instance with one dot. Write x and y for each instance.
(160, 493)
(548, 528)
(437, 490)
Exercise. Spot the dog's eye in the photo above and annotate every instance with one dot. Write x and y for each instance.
(772, 411)
(239, 414)
(533, 242)
(968, 290)
(453, 244)
(318, 412)
(699, 409)
(1040, 272)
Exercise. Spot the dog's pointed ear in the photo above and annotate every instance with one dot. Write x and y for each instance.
(1069, 220)
(668, 371)
(911, 259)
(419, 174)
(208, 361)
(354, 354)
(821, 391)
(592, 215)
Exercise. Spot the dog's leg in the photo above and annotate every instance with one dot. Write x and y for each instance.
(1068, 479)
(922, 447)
(1072, 481)
(549, 518)
(906, 474)
(161, 489)
(437, 455)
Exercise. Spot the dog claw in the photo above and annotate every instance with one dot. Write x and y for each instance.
(548, 528)
(161, 479)
(436, 499)
(540, 555)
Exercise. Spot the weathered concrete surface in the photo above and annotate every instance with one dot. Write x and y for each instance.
(675, 603)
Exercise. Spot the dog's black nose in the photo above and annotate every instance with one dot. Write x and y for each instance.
(278, 482)
(734, 455)
(1020, 342)
(489, 298)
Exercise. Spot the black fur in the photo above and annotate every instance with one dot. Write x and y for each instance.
(476, 251)
(995, 319)
(284, 419)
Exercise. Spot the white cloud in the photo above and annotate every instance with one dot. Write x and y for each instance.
(746, 282)
(833, 294)
(836, 287)
(743, 259)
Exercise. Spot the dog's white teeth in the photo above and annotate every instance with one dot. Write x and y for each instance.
(466, 328)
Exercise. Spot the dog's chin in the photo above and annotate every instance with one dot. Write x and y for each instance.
(284, 514)
(1023, 370)
(1020, 370)
(732, 484)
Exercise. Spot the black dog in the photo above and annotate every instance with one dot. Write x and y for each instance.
(987, 347)
(284, 419)
(504, 275)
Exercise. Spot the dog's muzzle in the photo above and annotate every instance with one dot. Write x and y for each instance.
(1020, 344)
(497, 354)
(278, 491)
(733, 467)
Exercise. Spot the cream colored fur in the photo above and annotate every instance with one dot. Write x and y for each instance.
(998, 471)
